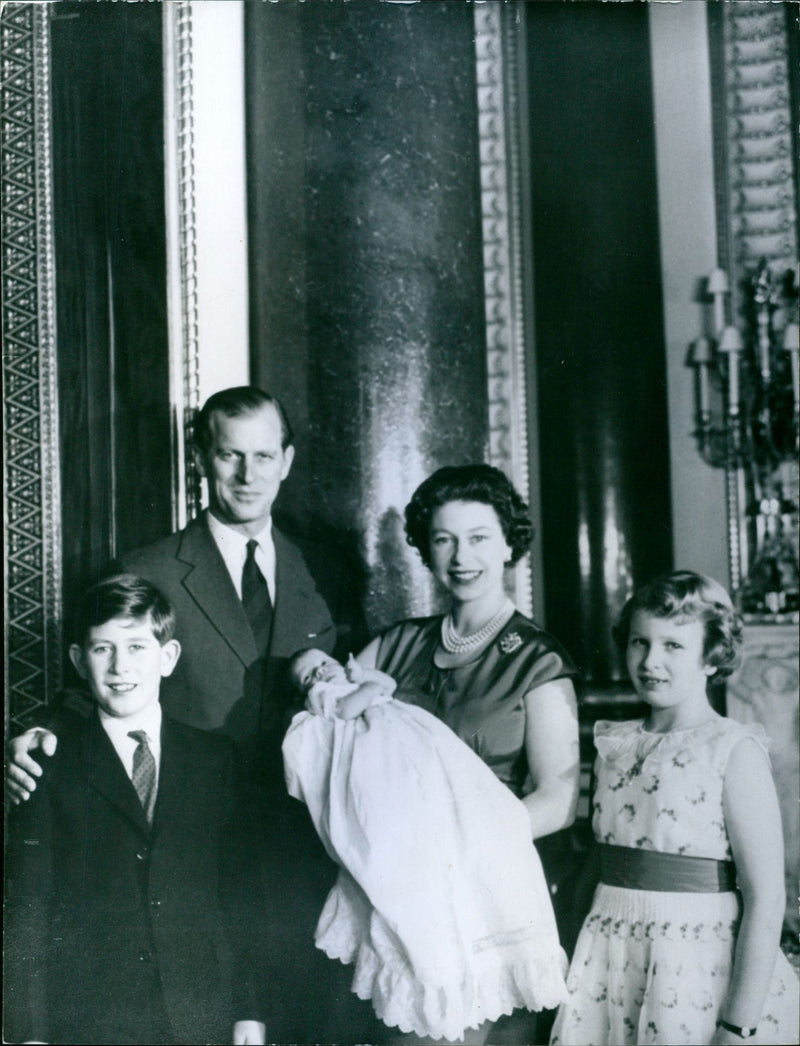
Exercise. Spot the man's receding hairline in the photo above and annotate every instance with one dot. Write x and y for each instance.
(247, 412)
(244, 411)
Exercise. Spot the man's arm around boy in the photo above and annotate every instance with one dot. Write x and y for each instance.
(119, 932)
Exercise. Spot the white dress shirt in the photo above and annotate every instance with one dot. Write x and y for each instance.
(149, 720)
(233, 549)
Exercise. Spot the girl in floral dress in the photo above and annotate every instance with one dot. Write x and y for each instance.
(682, 941)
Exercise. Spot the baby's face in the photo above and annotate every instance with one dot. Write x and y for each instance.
(315, 666)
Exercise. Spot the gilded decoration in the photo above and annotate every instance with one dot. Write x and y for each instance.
(181, 254)
(31, 551)
(498, 135)
(755, 300)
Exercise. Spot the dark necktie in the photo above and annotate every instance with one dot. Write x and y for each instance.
(144, 773)
(255, 599)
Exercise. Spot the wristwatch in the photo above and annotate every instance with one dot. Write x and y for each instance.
(737, 1029)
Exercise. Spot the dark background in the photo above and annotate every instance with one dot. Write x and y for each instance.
(367, 284)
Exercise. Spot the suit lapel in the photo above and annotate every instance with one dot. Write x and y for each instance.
(106, 774)
(294, 587)
(209, 584)
(172, 775)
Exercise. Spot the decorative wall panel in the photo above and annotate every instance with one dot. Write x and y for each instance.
(32, 554)
(498, 136)
(754, 63)
(181, 254)
(756, 172)
(765, 690)
(110, 255)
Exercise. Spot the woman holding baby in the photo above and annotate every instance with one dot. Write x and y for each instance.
(501, 684)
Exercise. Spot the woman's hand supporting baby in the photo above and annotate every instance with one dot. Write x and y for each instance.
(374, 687)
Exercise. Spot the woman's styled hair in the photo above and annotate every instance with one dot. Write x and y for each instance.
(687, 596)
(125, 595)
(479, 482)
(235, 403)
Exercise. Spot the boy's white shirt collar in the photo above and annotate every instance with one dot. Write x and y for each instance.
(233, 549)
(147, 719)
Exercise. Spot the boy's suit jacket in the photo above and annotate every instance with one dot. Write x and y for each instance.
(218, 683)
(111, 925)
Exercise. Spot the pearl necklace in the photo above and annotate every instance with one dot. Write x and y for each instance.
(453, 643)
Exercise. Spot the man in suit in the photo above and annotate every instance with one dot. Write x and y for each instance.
(127, 874)
(233, 675)
(231, 678)
(246, 598)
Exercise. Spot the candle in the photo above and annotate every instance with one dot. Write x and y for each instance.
(731, 344)
(733, 382)
(705, 398)
(701, 358)
(718, 288)
(701, 351)
(763, 343)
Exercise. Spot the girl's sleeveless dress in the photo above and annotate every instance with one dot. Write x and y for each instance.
(653, 966)
(441, 901)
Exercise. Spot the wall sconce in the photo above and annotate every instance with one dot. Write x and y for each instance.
(747, 423)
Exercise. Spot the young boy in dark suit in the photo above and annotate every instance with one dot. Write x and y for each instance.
(131, 907)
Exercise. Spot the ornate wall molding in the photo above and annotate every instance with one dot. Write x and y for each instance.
(755, 141)
(498, 122)
(182, 283)
(755, 110)
(31, 546)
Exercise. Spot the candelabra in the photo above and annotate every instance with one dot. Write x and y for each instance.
(748, 403)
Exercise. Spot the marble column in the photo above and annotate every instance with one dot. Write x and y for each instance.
(367, 311)
(599, 345)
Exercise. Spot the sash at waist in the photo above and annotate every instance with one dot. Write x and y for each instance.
(652, 870)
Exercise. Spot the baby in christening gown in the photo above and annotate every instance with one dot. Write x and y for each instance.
(440, 903)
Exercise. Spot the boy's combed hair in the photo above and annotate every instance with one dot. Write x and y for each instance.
(125, 595)
(476, 482)
(688, 596)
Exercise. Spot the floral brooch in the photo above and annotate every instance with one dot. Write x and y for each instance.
(510, 642)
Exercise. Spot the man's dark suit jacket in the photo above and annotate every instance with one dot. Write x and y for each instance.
(218, 683)
(119, 933)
